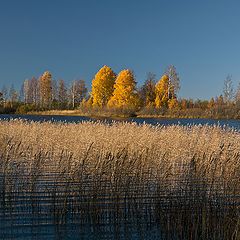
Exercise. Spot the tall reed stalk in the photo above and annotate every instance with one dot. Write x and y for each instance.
(119, 180)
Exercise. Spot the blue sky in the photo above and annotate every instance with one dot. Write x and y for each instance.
(74, 38)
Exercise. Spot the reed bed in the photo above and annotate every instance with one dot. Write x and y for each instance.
(118, 181)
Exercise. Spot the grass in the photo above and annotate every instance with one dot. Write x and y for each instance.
(221, 113)
(92, 112)
(181, 181)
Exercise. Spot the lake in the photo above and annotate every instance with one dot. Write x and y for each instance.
(154, 121)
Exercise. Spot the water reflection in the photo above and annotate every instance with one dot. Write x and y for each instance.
(63, 205)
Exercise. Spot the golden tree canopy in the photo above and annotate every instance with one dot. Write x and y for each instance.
(102, 86)
(162, 92)
(124, 94)
(173, 103)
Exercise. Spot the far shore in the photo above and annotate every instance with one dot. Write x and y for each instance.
(114, 115)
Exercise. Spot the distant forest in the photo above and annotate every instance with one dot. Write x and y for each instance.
(117, 94)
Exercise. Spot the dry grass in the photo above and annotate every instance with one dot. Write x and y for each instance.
(56, 112)
(184, 181)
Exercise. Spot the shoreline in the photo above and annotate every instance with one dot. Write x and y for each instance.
(112, 115)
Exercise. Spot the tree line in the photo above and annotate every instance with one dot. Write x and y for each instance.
(119, 93)
(42, 93)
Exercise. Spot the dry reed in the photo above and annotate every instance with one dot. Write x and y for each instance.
(175, 182)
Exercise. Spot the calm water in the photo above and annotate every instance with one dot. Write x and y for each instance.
(74, 119)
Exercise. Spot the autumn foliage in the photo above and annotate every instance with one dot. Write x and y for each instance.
(118, 95)
(124, 94)
(45, 89)
(102, 86)
(165, 96)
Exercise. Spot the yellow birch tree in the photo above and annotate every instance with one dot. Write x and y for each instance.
(125, 94)
(102, 86)
(162, 89)
(173, 103)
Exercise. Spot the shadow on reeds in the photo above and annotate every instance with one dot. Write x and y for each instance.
(114, 196)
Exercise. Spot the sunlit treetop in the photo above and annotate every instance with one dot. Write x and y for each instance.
(124, 94)
(102, 86)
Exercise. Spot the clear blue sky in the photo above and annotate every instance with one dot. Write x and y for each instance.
(74, 38)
